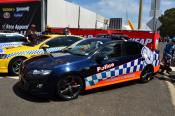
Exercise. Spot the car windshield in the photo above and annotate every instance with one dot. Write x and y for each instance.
(86, 47)
(39, 40)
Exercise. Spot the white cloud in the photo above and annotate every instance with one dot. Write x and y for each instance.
(118, 8)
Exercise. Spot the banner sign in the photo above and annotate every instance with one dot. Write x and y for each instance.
(19, 17)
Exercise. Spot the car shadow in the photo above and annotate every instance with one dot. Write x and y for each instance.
(26, 96)
(4, 75)
(165, 77)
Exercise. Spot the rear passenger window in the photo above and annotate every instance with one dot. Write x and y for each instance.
(3, 39)
(15, 38)
(132, 48)
(112, 50)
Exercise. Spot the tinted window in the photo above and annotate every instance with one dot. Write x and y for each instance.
(70, 40)
(132, 48)
(15, 38)
(3, 39)
(112, 50)
(62, 41)
(12, 38)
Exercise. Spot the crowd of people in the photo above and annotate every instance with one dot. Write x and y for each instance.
(31, 33)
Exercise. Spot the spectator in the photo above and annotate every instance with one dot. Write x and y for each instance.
(31, 34)
(168, 55)
(66, 31)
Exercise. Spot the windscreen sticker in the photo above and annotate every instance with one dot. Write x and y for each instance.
(148, 55)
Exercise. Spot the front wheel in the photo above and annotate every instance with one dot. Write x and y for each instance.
(15, 65)
(146, 75)
(69, 87)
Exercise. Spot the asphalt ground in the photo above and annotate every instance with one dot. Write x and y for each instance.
(126, 99)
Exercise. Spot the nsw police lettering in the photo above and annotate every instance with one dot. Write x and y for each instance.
(107, 66)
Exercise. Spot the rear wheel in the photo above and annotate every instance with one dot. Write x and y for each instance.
(146, 75)
(69, 87)
(14, 65)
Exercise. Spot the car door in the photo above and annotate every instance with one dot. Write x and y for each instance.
(112, 54)
(107, 68)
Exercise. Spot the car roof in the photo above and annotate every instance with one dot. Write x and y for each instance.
(11, 34)
(123, 41)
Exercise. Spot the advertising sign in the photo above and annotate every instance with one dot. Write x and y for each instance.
(19, 16)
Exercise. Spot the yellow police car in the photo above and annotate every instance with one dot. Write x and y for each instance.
(12, 57)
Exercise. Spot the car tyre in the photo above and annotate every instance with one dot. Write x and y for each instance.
(146, 75)
(14, 65)
(69, 87)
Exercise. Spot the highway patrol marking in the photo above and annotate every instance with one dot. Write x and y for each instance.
(130, 67)
(107, 66)
(172, 92)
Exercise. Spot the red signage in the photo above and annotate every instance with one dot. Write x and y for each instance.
(147, 38)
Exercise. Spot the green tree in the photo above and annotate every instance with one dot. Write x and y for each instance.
(168, 23)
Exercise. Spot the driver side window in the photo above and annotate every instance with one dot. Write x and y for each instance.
(57, 42)
(112, 51)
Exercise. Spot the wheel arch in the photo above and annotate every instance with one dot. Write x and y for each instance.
(14, 59)
(149, 66)
(76, 74)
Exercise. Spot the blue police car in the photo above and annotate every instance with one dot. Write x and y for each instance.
(88, 64)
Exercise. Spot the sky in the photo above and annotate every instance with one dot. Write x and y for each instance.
(123, 8)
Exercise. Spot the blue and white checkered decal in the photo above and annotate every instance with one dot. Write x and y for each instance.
(130, 67)
(40, 51)
(2, 45)
(156, 61)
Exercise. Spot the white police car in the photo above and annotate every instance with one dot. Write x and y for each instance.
(11, 40)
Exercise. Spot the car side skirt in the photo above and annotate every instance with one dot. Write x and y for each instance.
(115, 80)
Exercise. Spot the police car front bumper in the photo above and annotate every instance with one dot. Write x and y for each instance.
(3, 66)
(39, 86)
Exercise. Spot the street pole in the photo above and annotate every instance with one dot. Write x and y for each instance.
(140, 14)
(154, 23)
(79, 10)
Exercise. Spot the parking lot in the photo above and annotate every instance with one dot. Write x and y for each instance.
(132, 98)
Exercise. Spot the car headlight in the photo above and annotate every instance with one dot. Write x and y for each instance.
(3, 56)
(40, 72)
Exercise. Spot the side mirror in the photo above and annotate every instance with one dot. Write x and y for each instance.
(100, 57)
(45, 46)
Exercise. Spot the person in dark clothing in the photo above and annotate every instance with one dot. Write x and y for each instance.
(168, 55)
(66, 31)
(31, 34)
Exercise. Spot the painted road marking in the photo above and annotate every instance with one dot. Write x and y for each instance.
(15, 77)
(172, 92)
